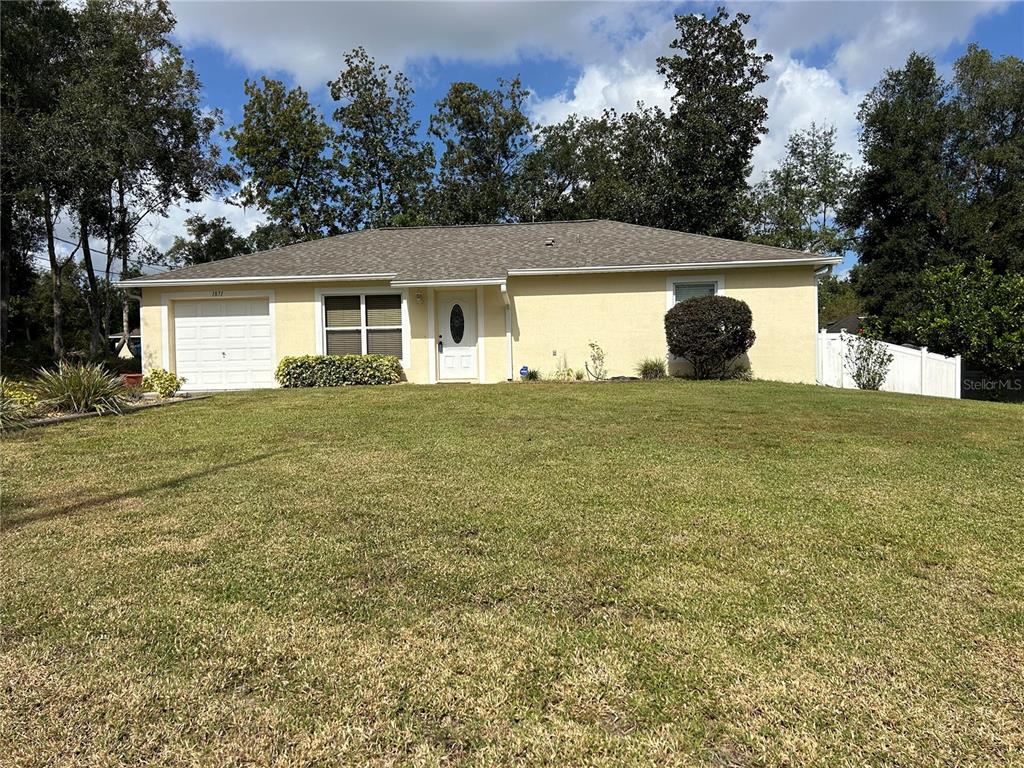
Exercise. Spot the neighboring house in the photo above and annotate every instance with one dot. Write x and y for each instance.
(134, 344)
(472, 303)
(847, 324)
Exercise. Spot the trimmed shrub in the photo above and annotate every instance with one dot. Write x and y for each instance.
(164, 383)
(338, 370)
(652, 368)
(80, 388)
(710, 332)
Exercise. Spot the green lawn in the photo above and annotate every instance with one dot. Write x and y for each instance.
(675, 573)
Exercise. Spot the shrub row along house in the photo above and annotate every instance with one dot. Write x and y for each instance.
(472, 303)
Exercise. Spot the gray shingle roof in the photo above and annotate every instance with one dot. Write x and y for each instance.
(482, 252)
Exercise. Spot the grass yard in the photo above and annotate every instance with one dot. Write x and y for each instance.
(645, 574)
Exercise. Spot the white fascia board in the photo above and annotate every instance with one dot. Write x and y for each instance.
(174, 282)
(814, 261)
(447, 283)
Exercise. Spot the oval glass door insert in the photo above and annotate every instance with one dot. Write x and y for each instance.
(457, 323)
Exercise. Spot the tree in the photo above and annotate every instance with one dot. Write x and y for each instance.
(797, 204)
(837, 298)
(485, 135)
(605, 167)
(282, 147)
(37, 40)
(902, 201)
(972, 311)
(987, 159)
(387, 168)
(714, 125)
(208, 240)
(127, 137)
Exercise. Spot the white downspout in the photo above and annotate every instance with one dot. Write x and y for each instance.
(508, 331)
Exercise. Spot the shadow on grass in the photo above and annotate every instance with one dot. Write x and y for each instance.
(13, 506)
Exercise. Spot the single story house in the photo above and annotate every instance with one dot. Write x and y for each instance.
(472, 303)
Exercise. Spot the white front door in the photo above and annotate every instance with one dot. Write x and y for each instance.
(223, 343)
(456, 339)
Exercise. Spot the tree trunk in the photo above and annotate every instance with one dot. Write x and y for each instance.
(6, 260)
(122, 249)
(94, 298)
(56, 270)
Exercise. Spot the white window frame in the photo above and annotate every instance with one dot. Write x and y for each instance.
(674, 280)
(362, 293)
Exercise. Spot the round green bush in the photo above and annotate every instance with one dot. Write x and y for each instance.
(710, 332)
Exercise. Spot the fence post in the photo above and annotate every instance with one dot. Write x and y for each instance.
(958, 380)
(924, 359)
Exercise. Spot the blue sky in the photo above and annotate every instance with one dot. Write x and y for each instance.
(575, 57)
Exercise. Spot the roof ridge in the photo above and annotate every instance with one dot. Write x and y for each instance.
(480, 226)
(713, 237)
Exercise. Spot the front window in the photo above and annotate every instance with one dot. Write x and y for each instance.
(684, 291)
(363, 324)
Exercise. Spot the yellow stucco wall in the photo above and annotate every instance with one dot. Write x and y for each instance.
(294, 318)
(623, 312)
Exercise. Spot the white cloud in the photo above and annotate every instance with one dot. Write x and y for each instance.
(799, 95)
(864, 39)
(307, 39)
(601, 87)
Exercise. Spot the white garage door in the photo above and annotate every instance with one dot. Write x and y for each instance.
(223, 343)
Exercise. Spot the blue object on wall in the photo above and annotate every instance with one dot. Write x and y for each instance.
(524, 370)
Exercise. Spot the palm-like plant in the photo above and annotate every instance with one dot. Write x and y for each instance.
(80, 388)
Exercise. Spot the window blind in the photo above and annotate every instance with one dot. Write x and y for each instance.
(686, 291)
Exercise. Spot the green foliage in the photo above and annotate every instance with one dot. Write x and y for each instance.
(867, 360)
(837, 298)
(485, 135)
(587, 168)
(282, 147)
(903, 195)
(164, 383)
(987, 160)
(387, 168)
(79, 388)
(532, 374)
(710, 332)
(17, 404)
(338, 370)
(652, 368)
(562, 370)
(18, 392)
(716, 121)
(208, 240)
(796, 205)
(973, 312)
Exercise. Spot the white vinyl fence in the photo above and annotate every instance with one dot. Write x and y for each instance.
(914, 371)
